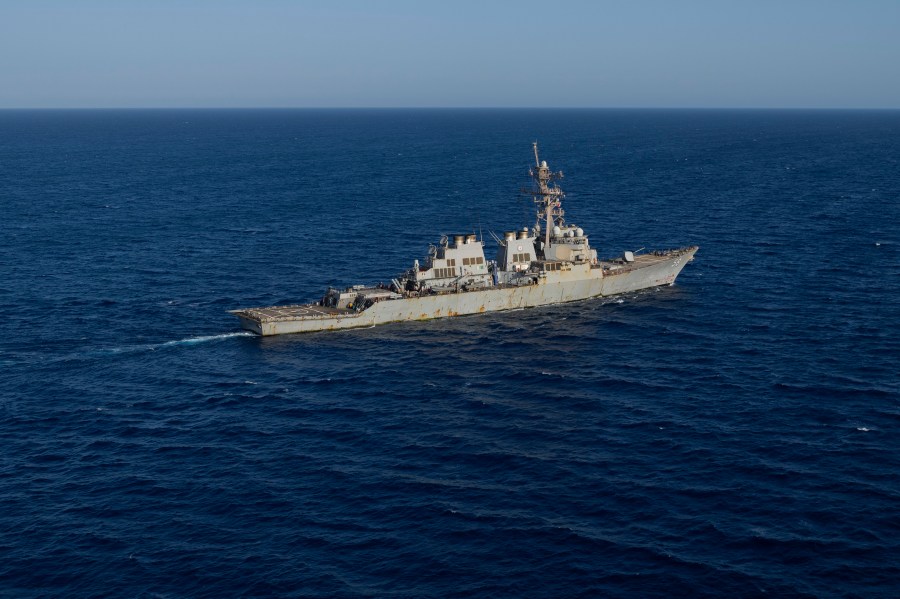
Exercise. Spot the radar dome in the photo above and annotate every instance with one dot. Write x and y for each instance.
(579, 232)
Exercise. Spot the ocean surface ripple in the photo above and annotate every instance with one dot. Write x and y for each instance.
(733, 435)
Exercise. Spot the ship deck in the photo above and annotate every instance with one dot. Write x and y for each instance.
(611, 267)
(619, 266)
(294, 312)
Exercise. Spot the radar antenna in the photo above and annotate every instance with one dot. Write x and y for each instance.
(547, 196)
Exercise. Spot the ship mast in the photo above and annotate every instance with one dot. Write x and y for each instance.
(547, 198)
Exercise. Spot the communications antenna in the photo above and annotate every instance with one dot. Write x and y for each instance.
(547, 196)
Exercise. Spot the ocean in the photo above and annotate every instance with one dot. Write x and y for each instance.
(733, 435)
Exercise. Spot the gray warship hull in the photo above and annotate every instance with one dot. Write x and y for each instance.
(551, 263)
(573, 283)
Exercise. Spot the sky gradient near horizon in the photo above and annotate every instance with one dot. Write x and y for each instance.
(402, 53)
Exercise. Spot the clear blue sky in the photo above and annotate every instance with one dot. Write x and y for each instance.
(602, 53)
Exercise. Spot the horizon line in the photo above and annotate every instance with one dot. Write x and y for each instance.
(348, 108)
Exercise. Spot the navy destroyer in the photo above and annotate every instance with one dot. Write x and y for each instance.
(550, 263)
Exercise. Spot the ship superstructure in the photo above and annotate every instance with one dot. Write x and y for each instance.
(550, 263)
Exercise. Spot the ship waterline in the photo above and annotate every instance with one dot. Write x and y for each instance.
(552, 263)
(558, 287)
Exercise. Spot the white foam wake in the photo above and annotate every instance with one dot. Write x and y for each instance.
(205, 338)
(178, 342)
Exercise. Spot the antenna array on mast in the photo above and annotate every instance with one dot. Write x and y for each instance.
(547, 196)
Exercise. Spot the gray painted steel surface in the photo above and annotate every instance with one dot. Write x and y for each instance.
(557, 287)
(531, 269)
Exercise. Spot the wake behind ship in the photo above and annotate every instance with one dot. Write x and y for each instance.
(550, 263)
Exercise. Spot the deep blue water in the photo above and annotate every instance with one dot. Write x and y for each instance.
(734, 435)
